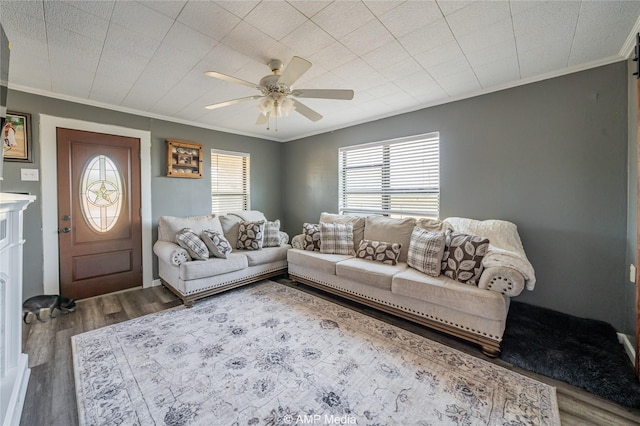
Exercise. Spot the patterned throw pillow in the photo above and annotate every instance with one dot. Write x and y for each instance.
(271, 234)
(379, 251)
(336, 238)
(426, 250)
(311, 234)
(462, 260)
(216, 243)
(189, 240)
(250, 235)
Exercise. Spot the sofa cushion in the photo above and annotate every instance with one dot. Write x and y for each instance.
(169, 226)
(271, 234)
(230, 225)
(434, 225)
(191, 242)
(266, 255)
(213, 266)
(216, 243)
(248, 215)
(379, 251)
(311, 237)
(336, 238)
(462, 259)
(372, 273)
(449, 293)
(426, 250)
(315, 260)
(380, 228)
(356, 221)
(250, 235)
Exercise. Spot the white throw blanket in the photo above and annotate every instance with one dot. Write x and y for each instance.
(505, 248)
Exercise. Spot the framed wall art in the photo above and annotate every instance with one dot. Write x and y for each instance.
(16, 137)
(184, 159)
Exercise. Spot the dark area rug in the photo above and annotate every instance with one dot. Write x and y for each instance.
(582, 352)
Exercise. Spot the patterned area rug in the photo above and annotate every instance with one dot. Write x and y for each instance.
(268, 354)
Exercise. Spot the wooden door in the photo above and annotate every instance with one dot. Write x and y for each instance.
(99, 221)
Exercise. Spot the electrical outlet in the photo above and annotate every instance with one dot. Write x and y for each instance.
(632, 273)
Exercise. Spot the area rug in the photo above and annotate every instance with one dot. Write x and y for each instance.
(582, 352)
(268, 354)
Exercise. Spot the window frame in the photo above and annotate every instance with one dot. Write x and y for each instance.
(424, 189)
(243, 176)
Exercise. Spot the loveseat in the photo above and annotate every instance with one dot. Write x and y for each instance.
(439, 287)
(193, 272)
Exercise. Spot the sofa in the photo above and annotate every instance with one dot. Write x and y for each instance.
(193, 275)
(428, 284)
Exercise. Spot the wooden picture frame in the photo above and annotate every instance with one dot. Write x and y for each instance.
(184, 159)
(16, 137)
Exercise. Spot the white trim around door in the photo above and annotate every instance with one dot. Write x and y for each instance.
(49, 172)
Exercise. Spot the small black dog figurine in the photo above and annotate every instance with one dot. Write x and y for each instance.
(34, 304)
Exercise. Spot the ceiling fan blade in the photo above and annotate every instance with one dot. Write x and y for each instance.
(296, 68)
(262, 119)
(232, 102)
(306, 111)
(230, 79)
(346, 95)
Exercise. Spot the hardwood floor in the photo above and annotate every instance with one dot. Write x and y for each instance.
(51, 393)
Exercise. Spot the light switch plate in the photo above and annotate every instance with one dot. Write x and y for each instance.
(29, 175)
(632, 273)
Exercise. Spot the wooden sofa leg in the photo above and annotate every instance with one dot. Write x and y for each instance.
(490, 351)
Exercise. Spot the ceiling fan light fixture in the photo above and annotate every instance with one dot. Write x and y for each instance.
(276, 105)
(265, 106)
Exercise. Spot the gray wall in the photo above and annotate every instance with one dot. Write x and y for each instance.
(170, 196)
(632, 210)
(549, 156)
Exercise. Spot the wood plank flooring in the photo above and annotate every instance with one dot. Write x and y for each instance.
(51, 393)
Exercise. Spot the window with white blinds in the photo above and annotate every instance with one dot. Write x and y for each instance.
(397, 178)
(229, 181)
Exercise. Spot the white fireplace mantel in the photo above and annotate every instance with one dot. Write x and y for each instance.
(14, 370)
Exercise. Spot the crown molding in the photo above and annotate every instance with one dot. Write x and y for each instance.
(627, 48)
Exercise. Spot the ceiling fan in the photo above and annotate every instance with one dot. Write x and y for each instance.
(278, 93)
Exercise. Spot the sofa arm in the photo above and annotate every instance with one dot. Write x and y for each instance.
(502, 279)
(297, 242)
(171, 253)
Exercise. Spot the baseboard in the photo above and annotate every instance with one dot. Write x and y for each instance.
(628, 347)
(156, 283)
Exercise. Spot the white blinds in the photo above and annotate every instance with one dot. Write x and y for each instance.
(398, 177)
(229, 181)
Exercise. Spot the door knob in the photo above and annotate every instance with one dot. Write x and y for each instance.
(64, 230)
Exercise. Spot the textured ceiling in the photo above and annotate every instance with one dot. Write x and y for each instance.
(148, 57)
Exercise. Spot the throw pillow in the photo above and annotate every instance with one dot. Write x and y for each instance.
(336, 238)
(250, 235)
(462, 260)
(426, 250)
(216, 243)
(379, 251)
(271, 234)
(311, 234)
(189, 240)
